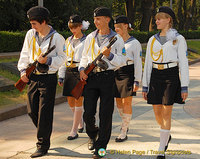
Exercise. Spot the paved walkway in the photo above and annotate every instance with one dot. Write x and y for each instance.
(18, 135)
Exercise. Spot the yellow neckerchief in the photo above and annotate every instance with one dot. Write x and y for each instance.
(92, 49)
(69, 54)
(157, 54)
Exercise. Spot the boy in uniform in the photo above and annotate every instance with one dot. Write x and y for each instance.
(42, 82)
(100, 82)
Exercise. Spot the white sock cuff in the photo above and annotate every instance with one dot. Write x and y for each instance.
(78, 108)
(164, 130)
(127, 115)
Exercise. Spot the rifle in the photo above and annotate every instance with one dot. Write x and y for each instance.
(78, 89)
(20, 85)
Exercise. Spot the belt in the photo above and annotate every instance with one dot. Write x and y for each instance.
(164, 65)
(74, 64)
(129, 62)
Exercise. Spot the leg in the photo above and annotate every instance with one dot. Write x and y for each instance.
(165, 128)
(78, 110)
(33, 102)
(127, 115)
(166, 113)
(79, 104)
(158, 113)
(105, 114)
(119, 106)
(91, 96)
(47, 89)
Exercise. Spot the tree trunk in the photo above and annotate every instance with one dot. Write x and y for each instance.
(193, 15)
(180, 16)
(146, 14)
(153, 21)
(130, 11)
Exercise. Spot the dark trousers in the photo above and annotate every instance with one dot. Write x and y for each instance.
(41, 97)
(99, 85)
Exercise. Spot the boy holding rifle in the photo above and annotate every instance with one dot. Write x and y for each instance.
(100, 81)
(43, 80)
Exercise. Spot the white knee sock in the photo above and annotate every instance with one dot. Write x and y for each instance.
(125, 123)
(120, 110)
(76, 120)
(164, 136)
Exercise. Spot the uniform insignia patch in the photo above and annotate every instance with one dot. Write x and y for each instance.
(123, 51)
(140, 53)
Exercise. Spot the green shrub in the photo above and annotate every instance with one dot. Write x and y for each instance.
(13, 41)
(195, 34)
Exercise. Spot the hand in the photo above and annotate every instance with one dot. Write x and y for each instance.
(105, 51)
(24, 78)
(144, 94)
(184, 96)
(136, 87)
(42, 60)
(83, 76)
(60, 84)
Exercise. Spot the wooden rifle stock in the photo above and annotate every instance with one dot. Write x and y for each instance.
(78, 89)
(20, 84)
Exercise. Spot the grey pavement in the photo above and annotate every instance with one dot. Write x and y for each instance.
(18, 135)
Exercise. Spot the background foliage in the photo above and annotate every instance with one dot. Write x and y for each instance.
(140, 12)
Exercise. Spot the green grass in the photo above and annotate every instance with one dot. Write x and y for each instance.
(12, 59)
(12, 97)
(194, 45)
(9, 75)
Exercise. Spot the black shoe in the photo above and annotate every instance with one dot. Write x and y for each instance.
(39, 153)
(91, 144)
(72, 137)
(160, 157)
(80, 130)
(168, 142)
(121, 140)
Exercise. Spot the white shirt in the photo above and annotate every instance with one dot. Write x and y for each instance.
(29, 54)
(134, 54)
(77, 54)
(171, 53)
(116, 58)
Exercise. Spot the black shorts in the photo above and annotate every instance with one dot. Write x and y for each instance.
(124, 80)
(165, 87)
(72, 77)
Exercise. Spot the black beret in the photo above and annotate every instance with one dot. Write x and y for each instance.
(167, 10)
(121, 19)
(38, 11)
(75, 19)
(102, 11)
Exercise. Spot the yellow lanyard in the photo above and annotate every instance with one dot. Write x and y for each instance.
(34, 49)
(157, 54)
(92, 49)
(69, 54)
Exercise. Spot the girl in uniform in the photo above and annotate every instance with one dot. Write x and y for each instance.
(166, 55)
(126, 86)
(68, 73)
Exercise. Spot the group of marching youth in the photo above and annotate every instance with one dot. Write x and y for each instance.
(117, 75)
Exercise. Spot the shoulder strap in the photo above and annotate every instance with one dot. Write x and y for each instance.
(50, 41)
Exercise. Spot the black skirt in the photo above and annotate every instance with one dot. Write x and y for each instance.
(72, 77)
(124, 80)
(165, 87)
